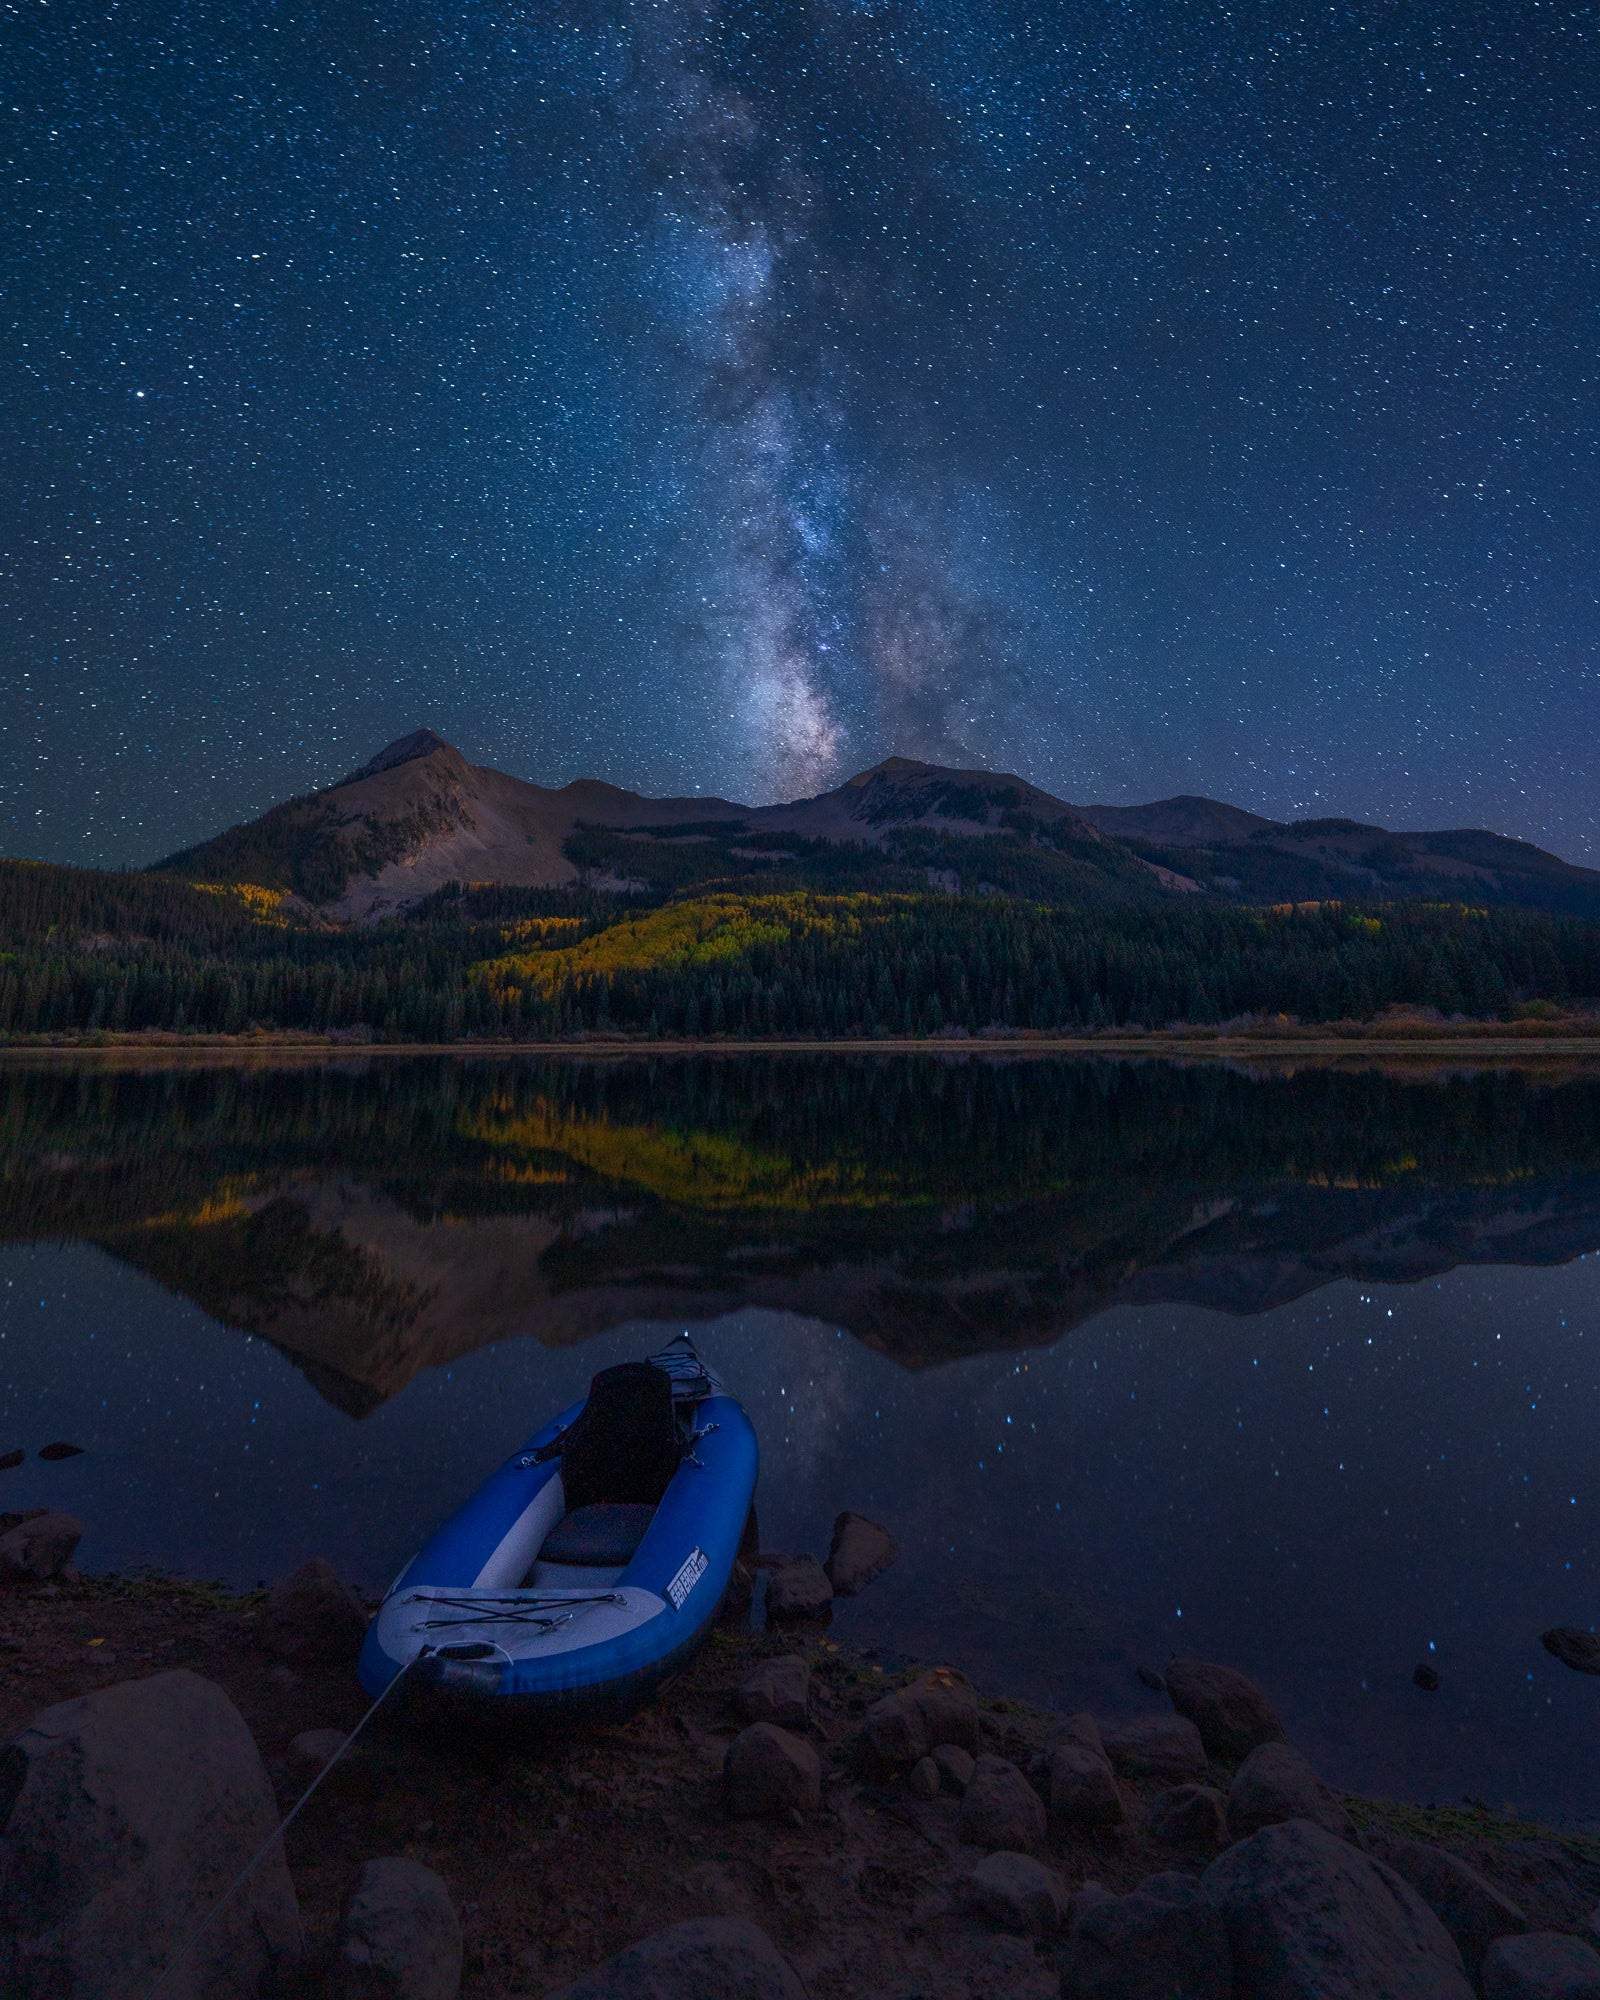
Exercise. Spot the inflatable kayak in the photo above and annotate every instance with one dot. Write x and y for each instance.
(584, 1571)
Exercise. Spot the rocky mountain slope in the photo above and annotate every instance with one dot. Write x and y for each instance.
(419, 816)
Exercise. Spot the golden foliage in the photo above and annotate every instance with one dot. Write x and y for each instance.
(700, 931)
(265, 905)
(692, 1168)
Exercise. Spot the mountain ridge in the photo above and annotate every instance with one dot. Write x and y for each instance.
(417, 816)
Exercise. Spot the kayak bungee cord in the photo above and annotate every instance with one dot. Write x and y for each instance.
(528, 1611)
(277, 1834)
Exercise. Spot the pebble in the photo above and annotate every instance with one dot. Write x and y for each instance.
(313, 1749)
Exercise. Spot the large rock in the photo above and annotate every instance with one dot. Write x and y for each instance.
(399, 1937)
(938, 1707)
(1000, 1809)
(1159, 1943)
(1574, 1646)
(947, 1706)
(1276, 1783)
(1311, 1918)
(311, 1615)
(956, 1766)
(776, 1691)
(1081, 1785)
(708, 1958)
(124, 1815)
(800, 1589)
(1157, 1746)
(1018, 1893)
(766, 1770)
(1188, 1816)
(38, 1548)
(1544, 1965)
(860, 1550)
(1469, 1906)
(1231, 1713)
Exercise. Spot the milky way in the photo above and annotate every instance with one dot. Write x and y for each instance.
(718, 397)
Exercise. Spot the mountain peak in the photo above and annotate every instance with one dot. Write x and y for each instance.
(890, 767)
(403, 750)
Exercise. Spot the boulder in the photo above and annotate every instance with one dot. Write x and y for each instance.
(800, 1589)
(1157, 1746)
(937, 1707)
(1574, 1647)
(776, 1691)
(1018, 1893)
(1469, 1906)
(311, 1615)
(1157, 1943)
(766, 1770)
(1276, 1783)
(1171, 1883)
(860, 1550)
(924, 1780)
(1231, 1713)
(895, 1731)
(313, 1749)
(399, 1936)
(38, 1548)
(126, 1814)
(1000, 1809)
(1188, 1816)
(955, 1765)
(1080, 1728)
(1310, 1917)
(947, 1705)
(708, 1958)
(1081, 1785)
(1543, 1965)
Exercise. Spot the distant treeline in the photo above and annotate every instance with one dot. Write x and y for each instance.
(82, 951)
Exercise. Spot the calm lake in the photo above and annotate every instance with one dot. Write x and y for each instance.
(1294, 1368)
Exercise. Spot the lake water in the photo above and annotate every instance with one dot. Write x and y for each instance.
(1296, 1368)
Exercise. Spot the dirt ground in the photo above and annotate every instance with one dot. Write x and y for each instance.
(559, 1850)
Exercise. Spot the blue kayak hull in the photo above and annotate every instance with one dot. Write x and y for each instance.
(478, 1624)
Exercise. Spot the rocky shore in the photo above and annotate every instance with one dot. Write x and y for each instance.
(791, 1819)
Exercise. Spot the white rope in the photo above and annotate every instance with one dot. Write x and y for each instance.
(261, 1853)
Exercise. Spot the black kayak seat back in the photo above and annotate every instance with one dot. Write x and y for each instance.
(604, 1536)
(623, 1447)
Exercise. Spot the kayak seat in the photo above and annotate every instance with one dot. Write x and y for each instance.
(624, 1444)
(604, 1536)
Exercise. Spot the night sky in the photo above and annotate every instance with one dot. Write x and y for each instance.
(1143, 397)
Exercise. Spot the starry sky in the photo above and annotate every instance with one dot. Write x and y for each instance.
(718, 397)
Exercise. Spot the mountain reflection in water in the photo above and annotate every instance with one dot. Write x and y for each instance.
(1132, 1355)
(378, 1217)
